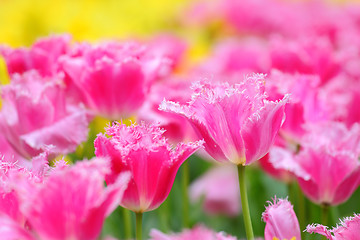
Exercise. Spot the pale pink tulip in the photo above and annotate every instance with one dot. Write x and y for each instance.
(42, 56)
(219, 189)
(35, 116)
(349, 229)
(237, 123)
(142, 150)
(112, 78)
(169, 48)
(198, 232)
(330, 150)
(281, 221)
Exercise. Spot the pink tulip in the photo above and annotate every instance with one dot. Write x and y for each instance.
(35, 116)
(233, 56)
(309, 56)
(71, 203)
(169, 48)
(219, 189)
(281, 221)
(16, 183)
(237, 123)
(345, 96)
(280, 163)
(349, 228)
(306, 104)
(144, 152)
(112, 78)
(7, 152)
(198, 232)
(177, 128)
(330, 150)
(42, 56)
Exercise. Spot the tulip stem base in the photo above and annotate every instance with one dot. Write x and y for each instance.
(244, 203)
(138, 226)
(324, 214)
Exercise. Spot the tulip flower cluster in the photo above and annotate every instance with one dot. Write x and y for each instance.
(183, 148)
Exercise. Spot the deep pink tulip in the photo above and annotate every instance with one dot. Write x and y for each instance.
(219, 190)
(198, 232)
(281, 221)
(143, 151)
(330, 150)
(112, 78)
(237, 123)
(349, 228)
(71, 203)
(42, 56)
(35, 116)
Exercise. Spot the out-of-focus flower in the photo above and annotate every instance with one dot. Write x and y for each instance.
(342, 95)
(330, 149)
(35, 116)
(237, 56)
(168, 47)
(281, 221)
(265, 18)
(72, 203)
(349, 228)
(309, 56)
(42, 56)
(113, 78)
(198, 232)
(219, 188)
(142, 150)
(237, 123)
(280, 163)
(177, 128)
(306, 105)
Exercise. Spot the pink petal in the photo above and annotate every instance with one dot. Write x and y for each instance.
(281, 221)
(260, 130)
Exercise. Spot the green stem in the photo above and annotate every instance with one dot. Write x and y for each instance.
(244, 203)
(324, 214)
(185, 194)
(127, 223)
(139, 226)
(334, 214)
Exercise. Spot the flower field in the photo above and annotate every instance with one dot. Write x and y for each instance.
(181, 120)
